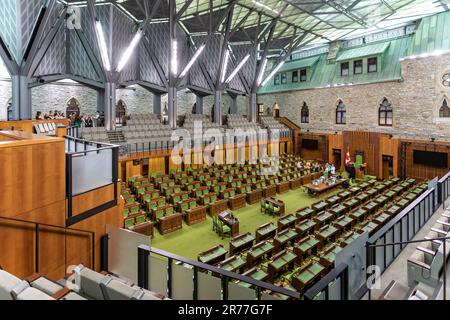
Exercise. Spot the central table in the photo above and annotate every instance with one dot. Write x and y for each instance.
(323, 187)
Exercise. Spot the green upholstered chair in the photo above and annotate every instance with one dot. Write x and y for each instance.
(129, 223)
(161, 202)
(215, 223)
(125, 213)
(184, 207)
(224, 230)
(213, 198)
(184, 197)
(263, 206)
(270, 209)
(134, 210)
(192, 205)
(141, 219)
(169, 211)
(276, 211)
(159, 213)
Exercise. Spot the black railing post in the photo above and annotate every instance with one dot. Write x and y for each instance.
(344, 285)
(445, 269)
(36, 267)
(69, 184)
(143, 268)
(104, 253)
(195, 279)
(225, 288)
(169, 278)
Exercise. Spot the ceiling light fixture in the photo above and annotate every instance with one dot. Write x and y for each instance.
(127, 55)
(238, 68)
(194, 58)
(102, 45)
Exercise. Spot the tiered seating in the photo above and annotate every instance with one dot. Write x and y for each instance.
(236, 121)
(191, 119)
(271, 123)
(96, 134)
(34, 288)
(426, 262)
(297, 251)
(145, 132)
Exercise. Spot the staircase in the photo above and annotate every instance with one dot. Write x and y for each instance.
(116, 137)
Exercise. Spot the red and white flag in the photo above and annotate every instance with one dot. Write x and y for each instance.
(348, 159)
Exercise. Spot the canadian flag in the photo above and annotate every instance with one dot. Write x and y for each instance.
(348, 159)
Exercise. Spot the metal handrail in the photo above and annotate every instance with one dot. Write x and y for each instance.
(144, 251)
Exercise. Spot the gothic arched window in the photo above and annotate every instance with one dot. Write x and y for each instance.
(385, 113)
(305, 113)
(341, 113)
(444, 110)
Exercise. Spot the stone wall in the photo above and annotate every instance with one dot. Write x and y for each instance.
(415, 100)
(138, 100)
(5, 98)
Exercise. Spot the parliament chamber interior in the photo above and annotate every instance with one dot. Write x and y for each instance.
(224, 150)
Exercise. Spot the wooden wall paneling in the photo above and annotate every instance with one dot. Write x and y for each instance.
(92, 199)
(388, 147)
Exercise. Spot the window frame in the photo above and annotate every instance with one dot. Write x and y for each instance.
(444, 110)
(384, 110)
(295, 76)
(342, 69)
(341, 113)
(355, 67)
(302, 73)
(304, 113)
(369, 65)
(276, 80)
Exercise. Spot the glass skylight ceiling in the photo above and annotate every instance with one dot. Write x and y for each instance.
(323, 20)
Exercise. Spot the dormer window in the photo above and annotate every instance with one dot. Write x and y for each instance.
(303, 75)
(276, 80)
(357, 67)
(344, 69)
(283, 78)
(372, 65)
(295, 76)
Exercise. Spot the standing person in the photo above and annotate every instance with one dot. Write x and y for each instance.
(333, 170)
(299, 166)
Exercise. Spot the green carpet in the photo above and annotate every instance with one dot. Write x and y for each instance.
(191, 240)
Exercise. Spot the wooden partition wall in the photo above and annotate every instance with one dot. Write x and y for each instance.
(162, 162)
(419, 171)
(321, 153)
(33, 191)
(28, 125)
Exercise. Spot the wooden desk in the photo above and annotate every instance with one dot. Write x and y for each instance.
(241, 242)
(283, 187)
(168, 224)
(213, 255)
(351, 203)
(359, 214)
(368, 226)
(286, 222)
(323, 218)
(338, 210)
(278, 203)
(393, 209)
(266, 231)
(372, 192)
(146, 228)
(344, 194)
(354, 190)
(381, 200)
(231, 222)
(371, 207)
(269, 191)
(238, 202)
(344, 223)
(305, 213)
(195, 215)
(280, 262)
(233, 264)
(305, 227)
(283, 238)
(217, 207)
(320, 206)
(362, 197)
(258, 252)
(328, 256)
(381, 218)
(306, 247)
(296, 183)
(255, 273)
(348, 238)
(254, 196)
(307, 276)
(326, 234)
(333, 200)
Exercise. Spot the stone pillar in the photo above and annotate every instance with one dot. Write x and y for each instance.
(172, 107)
(21, 98)
(110, 106)
(157, 104)
(218, 107)
(252, 108)
(199, 105)
(233, 105)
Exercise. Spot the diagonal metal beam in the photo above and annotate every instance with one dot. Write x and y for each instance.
(224, 47)
(8, 58)
(182, 10)
(37, 35)
(30, 69)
